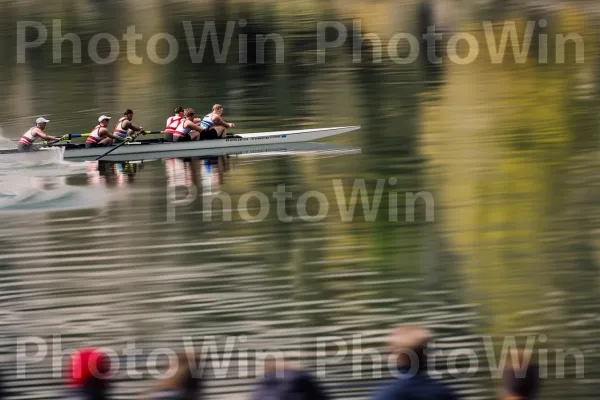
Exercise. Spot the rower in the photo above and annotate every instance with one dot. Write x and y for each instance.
(125, 127)
(101, 137)
(214, 125)
(35, 133)
(173, 123)
(187, 130)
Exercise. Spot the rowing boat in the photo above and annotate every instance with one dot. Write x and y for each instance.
(152, 149)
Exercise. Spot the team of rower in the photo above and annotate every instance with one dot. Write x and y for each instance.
(181, 127)
(184, 126)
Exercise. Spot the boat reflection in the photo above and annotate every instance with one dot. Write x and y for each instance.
(318, 149)
(190, 178)
(205, 173)
(112, 174)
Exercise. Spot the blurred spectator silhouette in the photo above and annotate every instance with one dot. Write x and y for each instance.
(87, 376)
(520, 380)
(285, 382)
(408, 345)
(185, 384)
(2, 390)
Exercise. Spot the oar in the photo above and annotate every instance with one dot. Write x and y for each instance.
(51, 144)
(119, 145)
(76, 135)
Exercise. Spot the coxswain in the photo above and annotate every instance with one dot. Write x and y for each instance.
(173, 123)
(101, 137)
(125, 127)
(187, 130)
(35, 133)
(214, 125)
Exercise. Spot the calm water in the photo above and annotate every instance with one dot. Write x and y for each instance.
(505, 155)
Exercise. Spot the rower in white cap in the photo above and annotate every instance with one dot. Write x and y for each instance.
(101, 137)
(35, 133)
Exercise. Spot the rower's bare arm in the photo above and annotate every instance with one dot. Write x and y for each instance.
(44, 136)
(195, 127)
(127, 125)
(110, 135)
(219, 121)
(135, 128)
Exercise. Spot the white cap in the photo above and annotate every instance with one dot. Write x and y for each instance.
(102, 118)
(41, 120)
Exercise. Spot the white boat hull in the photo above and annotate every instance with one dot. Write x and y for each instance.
(247, 140)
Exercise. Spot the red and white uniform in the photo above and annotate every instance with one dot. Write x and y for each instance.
(95, 135)
(181, 131)
(119, 127)
(172, 124)
(29, 137)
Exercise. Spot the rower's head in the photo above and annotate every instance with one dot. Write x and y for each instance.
(180, 111)
(41, 122)
(104, 120)
(408, 345)
(128, 113)
(218, 109)
(89, 370)
(190, 113)
(520, 377)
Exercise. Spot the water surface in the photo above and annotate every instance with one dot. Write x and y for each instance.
(508, 154)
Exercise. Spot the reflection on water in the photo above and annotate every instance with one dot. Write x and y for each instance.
(509, 153)
(206, 174)
(110, 174)
(198, 176)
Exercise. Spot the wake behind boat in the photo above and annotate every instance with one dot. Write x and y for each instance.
(76, 152)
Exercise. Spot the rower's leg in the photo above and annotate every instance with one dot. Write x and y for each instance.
(106, 142)
(221, 131)
(194, 135)
(23, 148)
(217, 132)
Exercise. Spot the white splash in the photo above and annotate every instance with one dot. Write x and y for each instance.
(6, 143)
(37, 181)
